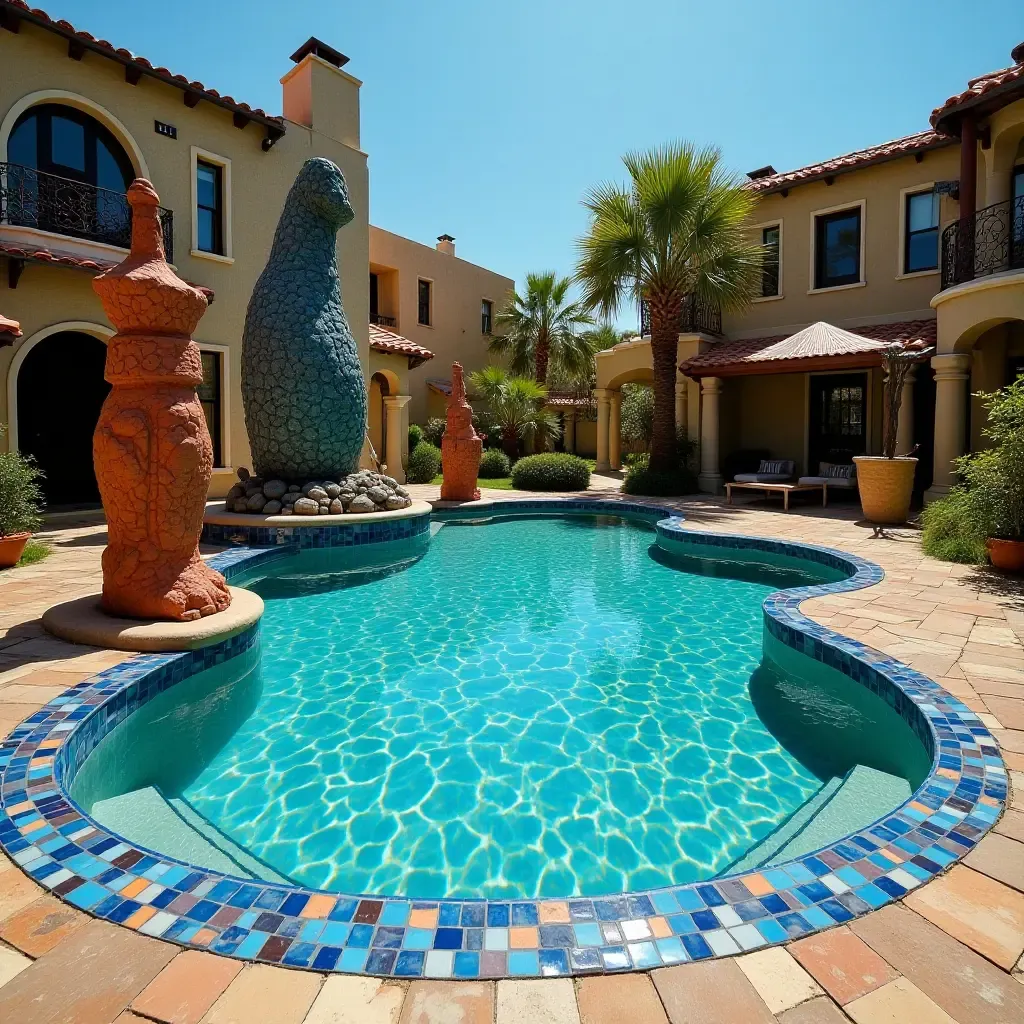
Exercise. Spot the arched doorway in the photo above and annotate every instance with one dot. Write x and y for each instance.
(377, 418)
(60, 392)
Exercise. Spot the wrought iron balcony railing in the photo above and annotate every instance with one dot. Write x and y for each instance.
(696, 315)
(383, 321)
(987, 242)
(35, 199)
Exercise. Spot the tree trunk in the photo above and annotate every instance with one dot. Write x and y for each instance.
(510, 442)
(540, 358)
(666, 311)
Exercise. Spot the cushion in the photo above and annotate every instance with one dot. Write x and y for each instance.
(838, 471)
(832, 481)
(762, 478)
(775, 467)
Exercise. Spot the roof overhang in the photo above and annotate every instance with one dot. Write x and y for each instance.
(808, 364)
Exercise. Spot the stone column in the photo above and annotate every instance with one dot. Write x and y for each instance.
(952, 373)
(569, 431)
(905, 426)
(710, 479)
(682, 413)
(615, 431)
(603, 415)
(395, 439)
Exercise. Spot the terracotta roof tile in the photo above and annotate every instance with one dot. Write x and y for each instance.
(748, 352)
(441, 386)
(58, 257)
(384, 340)
(921, 142)
(978, 88)
(19, 9)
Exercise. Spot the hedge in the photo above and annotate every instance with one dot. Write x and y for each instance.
(551, 471)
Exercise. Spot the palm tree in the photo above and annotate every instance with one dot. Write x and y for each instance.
(539, 328)
(515, 404)
(677, 229)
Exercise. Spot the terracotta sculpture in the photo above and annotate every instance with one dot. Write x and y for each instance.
(461, 446)
(152, 448)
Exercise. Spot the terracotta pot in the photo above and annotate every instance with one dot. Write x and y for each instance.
(1007, 555)
(886, 487)
(11, 548)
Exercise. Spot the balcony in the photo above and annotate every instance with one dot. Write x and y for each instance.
(697, 317)
(383, 321)
(987, 242)
(48, 202)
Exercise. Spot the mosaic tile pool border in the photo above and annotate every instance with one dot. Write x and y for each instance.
(110, 878)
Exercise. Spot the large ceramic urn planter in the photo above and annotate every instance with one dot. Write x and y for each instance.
(1007, 555)
(11, 548)
(886, 487)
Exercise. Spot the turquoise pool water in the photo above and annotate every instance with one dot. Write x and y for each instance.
(536, 707)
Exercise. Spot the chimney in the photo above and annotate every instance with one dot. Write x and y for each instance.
(446, 244)
(762, 172)
(318, 94)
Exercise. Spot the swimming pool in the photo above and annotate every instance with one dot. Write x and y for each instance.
(538, 706)
(745, 709)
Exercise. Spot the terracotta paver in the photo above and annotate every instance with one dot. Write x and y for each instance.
(710, 992)
(843, 964)
(352, 1000)
(443, 1002)
(38, 927)
(1000, 857)
(547, 1001)
(186, 988)
(817, 1011)
(87, 979)
(12, 963)
(17, 891)
(899, 1002)
(979, 911)
(262, 994)
(964, 984)
(780, 981)
(613, 998)
(1012, 824)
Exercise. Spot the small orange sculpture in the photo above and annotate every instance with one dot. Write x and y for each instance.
(461, 446)
(151, 448)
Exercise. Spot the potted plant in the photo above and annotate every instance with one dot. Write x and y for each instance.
(20, 499)
(886, 481)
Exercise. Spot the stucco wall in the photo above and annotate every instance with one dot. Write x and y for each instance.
(458, 289)
(35, 60)
(886, 294)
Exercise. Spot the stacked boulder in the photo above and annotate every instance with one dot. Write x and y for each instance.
(359, 492)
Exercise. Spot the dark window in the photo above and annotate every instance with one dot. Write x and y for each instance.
(486, 309)
(1017, 219)
(837, 418)
(770, 268)
(374, 296)
(423, 303)
(837, 249)
(209, 208)
(209, 398)
(921, 244)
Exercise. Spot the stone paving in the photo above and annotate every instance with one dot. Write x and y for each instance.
(950, 952)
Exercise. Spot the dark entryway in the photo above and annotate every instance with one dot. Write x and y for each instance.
(838, 418)
(60, 392)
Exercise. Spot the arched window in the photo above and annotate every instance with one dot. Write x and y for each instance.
(67, 173)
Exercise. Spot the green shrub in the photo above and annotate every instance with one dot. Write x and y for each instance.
(637, 414)
(20, 494)
(552, 471)
(434, 431)
(950, 532)
(415, 436)
(641, 479)
(494, 464)
(424, 463)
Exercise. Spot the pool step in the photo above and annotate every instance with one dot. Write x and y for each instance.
(840, 807)
(435, 528)
(173, 827)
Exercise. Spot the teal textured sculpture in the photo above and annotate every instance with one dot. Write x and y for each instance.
(302, 383)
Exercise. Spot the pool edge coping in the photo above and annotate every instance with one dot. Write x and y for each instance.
(30, 828)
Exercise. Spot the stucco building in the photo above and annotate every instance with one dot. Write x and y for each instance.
(918, 241)
(79, 119)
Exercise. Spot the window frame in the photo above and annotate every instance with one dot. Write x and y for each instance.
(860, 205)
(430, 301)
(223, 400)
(904, 214)
(203, 156)
(761, 228)
(488, 317)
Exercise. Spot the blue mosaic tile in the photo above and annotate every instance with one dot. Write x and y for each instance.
(80, 862)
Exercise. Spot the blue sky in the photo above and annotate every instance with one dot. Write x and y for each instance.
(489, 121)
